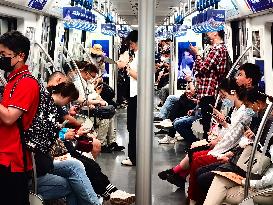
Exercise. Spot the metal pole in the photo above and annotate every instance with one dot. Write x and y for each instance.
(146, 20)
(48, 56)
(172, 71)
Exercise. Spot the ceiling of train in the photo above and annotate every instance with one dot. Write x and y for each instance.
(127, 9)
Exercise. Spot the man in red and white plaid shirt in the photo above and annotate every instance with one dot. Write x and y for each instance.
(212, 69)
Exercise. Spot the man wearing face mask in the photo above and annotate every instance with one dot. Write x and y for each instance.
(23, 102)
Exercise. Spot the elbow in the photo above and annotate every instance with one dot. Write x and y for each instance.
(8, 121)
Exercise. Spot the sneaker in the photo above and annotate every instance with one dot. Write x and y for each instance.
(164, 174)
(167, 123)
(167, 140)
(178, 137)
(177, 180)
(122, 198)
(156, 118)
(105, 149)
(161, 132)
(127, 162)
(115, 147)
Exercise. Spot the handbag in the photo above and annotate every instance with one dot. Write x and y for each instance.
(104, 112)
(58, 149)
(260, 164)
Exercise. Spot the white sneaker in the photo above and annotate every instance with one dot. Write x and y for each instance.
(167, 123)
(178, 137)
(122, 198)
(167, 140)
(127, 162)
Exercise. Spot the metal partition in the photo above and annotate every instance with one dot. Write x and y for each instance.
(255, 145)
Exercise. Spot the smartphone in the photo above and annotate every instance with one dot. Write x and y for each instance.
(100, 86)
(64, 123)
(212, 106)
(245, 126)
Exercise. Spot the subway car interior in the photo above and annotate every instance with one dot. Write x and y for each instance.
(146, 102)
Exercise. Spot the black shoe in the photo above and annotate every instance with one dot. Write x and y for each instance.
(115, 147)
(177, 180)
(105, 149)
(161, 132)
(158, 119)
(160, 104)
(164, 174)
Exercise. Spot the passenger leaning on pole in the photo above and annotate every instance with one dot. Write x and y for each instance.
(132, 69)
(14, 51)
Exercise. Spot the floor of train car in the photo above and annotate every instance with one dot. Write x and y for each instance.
(164, 156)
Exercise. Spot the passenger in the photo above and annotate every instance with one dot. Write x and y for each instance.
(132, 69)
(229, 191)
(211, 71)
(226, 140)
(100, 182)
(97, 55)
(65, 166)
(104, 127)
(14, 51)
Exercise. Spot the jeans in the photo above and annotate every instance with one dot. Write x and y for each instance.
(52, 187)
(166, 108)
(183, 126)
(74, 171)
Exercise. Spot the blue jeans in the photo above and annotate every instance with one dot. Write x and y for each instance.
(73, 170)
(168, 104)
(183, 126)
(52, 187)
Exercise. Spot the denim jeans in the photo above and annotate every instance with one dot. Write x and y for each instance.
(52, 187)
(166, 108)
(183, 126)
(73, 170)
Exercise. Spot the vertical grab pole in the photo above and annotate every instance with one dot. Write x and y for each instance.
(146, 20)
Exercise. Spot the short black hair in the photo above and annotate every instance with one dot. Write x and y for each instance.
(221, 33)
(133, 36)
(254, 95)
(65, 89)
(16, 42)
(90, 68)
(252, 71)
(228, 85)
(55, 74)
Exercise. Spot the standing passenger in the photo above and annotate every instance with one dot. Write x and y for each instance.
(14, 51)
(132, 69)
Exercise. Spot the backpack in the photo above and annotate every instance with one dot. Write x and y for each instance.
(43, 131)
(107, 92)
(103, 112)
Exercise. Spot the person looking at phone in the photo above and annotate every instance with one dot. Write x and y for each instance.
(132, 68)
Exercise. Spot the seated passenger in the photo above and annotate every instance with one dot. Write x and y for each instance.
(227, 139)
(88, 93)
(257, 102)
(62, 95)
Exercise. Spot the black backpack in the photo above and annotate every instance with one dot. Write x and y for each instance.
(43, 131)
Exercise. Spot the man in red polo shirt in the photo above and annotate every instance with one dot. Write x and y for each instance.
(14, 51)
